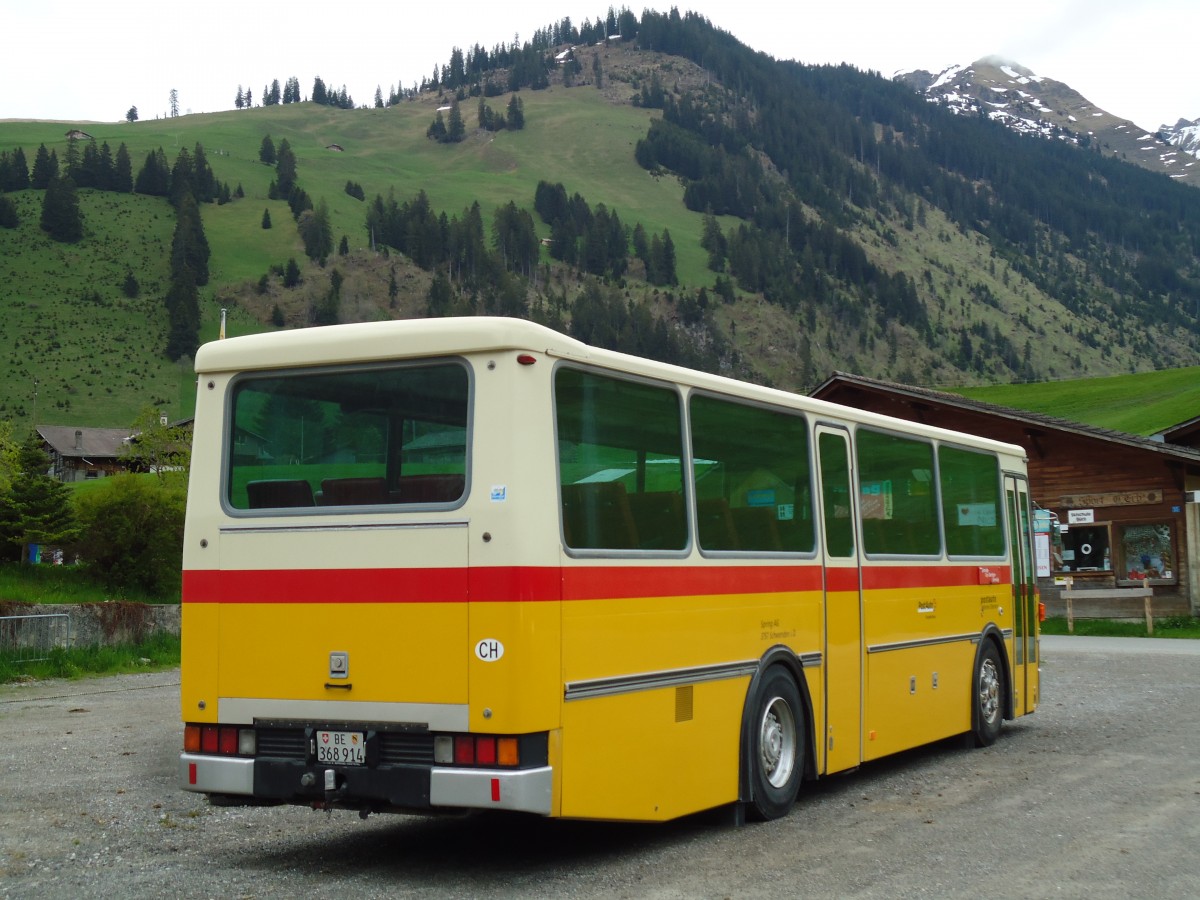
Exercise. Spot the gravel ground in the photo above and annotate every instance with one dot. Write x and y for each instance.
(1097, 795)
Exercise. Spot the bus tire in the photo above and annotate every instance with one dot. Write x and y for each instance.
(987, 693)
(776, 745)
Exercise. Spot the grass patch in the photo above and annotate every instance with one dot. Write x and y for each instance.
(160, 651)
(1169, 627)
(1139, 404)
(61, 584)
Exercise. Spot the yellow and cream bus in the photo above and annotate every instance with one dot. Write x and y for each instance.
(464, 564)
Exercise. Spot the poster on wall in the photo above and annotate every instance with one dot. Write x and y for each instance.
(1041, 549)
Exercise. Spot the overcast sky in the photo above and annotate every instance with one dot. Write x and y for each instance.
(92, 60)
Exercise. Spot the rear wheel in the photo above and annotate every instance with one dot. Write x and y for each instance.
(988, 694)
(777, 745)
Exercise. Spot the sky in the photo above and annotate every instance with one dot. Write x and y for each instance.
(91, 61)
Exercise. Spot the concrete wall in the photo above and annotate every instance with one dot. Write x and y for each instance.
(90, 624)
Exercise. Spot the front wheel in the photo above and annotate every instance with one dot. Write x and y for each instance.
(776, 745)
(988, 693)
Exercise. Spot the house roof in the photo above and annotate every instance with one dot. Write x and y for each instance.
(1033, 423)
(92, 443)
(1187, 430)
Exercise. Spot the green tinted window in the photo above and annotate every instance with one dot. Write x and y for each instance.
(897, 499)
(835, 492)
(363, 437)
(751, 469)
(620, 463)
(971, 502)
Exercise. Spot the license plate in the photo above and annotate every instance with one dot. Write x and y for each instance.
(348, 748)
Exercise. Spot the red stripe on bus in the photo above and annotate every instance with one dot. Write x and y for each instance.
(326, 585)
(934, 576)
(600, 582)
(532, 584)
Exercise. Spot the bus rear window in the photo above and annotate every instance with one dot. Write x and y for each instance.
(349, 438)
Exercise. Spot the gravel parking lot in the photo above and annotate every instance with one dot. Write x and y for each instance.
(1096, 795)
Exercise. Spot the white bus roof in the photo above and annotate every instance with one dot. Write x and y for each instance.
(417, 338)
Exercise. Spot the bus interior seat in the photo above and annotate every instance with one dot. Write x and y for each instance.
(430, 488)
(353, 491)
(275, 493)
(756, 528)
(716, 525)
(596, 515)
(660, 519)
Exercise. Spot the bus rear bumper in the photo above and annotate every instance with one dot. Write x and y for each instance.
(524, 790)
(217, 774)
(521, 790)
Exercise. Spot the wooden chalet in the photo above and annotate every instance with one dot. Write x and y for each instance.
(1118, 511)
(80, 454)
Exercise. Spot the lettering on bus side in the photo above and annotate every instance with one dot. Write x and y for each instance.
(489, 650)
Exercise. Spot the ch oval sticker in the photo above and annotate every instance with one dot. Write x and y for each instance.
(489, 650)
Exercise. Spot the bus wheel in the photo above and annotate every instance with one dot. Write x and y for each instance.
(777, 746)
(988, 715)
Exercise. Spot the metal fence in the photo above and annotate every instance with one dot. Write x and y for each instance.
(31, 638)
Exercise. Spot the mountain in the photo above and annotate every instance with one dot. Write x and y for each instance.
(1008, 93)
(1184, 134)
(672, 193)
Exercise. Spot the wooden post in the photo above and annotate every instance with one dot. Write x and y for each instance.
(1070, 613)
(1149, 617)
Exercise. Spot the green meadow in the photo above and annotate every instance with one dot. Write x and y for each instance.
(96, 354)
(78, 351)
(1143, 403)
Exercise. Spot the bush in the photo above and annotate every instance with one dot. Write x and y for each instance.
(132, 533)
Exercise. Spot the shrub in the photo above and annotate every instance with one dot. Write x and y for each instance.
(132, 533)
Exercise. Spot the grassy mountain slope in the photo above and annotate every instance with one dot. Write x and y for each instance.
(383, 150)
(988, 308)
(1143, 403)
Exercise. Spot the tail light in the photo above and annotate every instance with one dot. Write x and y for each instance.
(220, 740)
(476, 750)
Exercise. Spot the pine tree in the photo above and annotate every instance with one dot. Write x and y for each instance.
(19, 178)
(154, 178)
(291, 274)
(183, 178)
(266, 219)
(183, 314)
(437, 130)
(266, 151)
(285, 168)
(123, 171)
(131, 114)
(174, 97)
(516, 113)
(189, 245)
(38, 508)
(61, 217)
(455, 129)
(45, 168)
(8, 213)
(316, 232)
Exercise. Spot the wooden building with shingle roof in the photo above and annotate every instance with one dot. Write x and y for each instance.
(1127, 508)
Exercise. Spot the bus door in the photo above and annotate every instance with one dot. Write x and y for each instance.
(843, 602)
(1025, 596)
